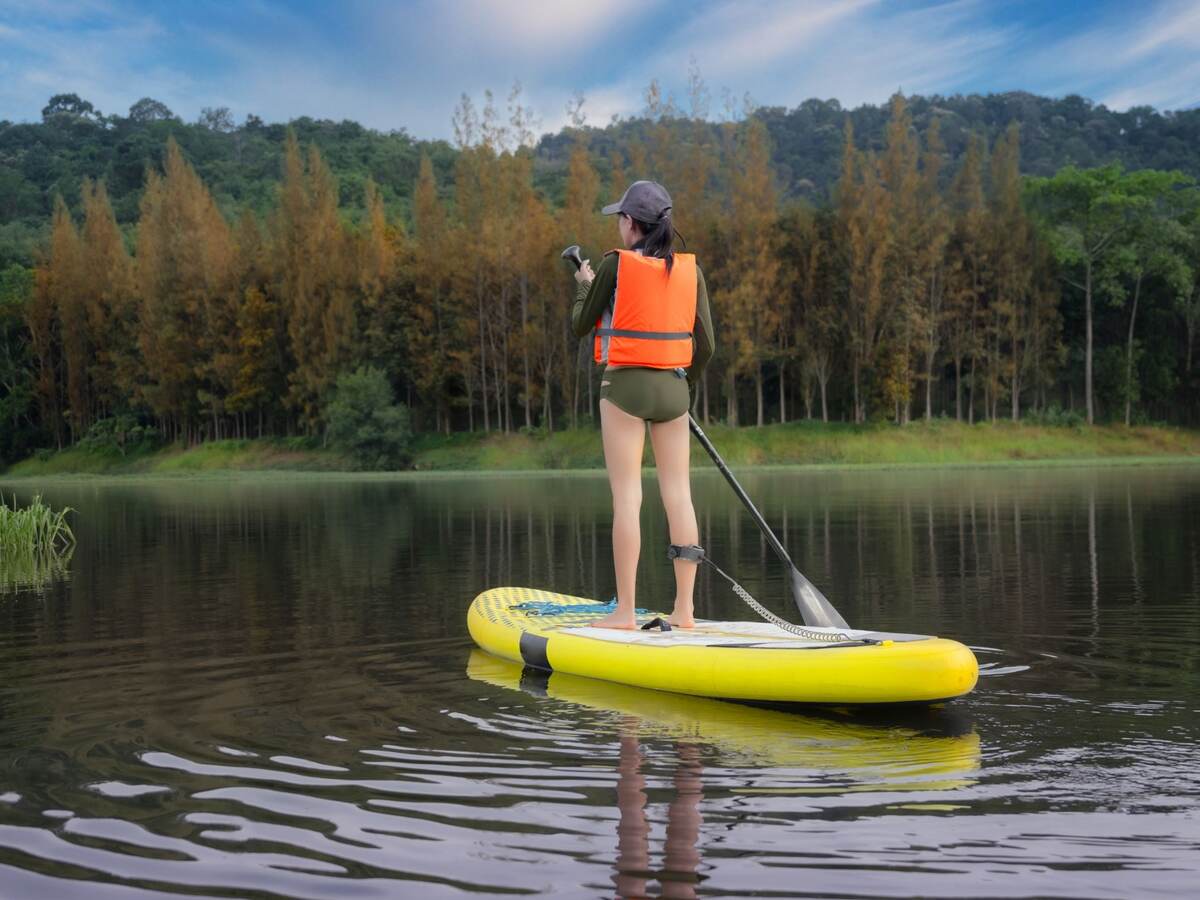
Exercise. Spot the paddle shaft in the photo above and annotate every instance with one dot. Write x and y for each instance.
(814, 608)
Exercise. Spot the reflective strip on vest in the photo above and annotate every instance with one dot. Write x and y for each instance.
(652, 314)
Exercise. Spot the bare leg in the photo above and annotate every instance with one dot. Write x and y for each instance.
(624, 437)
(671, 443)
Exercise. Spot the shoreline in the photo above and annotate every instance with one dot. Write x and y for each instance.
(706, 469)
(804, 446)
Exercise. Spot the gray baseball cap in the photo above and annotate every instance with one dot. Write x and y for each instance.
(645, 201)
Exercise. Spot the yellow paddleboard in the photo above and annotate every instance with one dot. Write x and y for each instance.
(728, 660)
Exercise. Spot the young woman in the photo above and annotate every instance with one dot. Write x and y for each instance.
(654, 335)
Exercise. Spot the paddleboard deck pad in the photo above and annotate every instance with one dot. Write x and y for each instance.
(729, 660)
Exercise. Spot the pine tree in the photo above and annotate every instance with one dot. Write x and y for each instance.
(259, 381)
(256, 360)
(379, 246)
(751, 276)
(816, 321)
(314, 252)
(968, 275)
(430, 321)
(898, 172)
(68, 294)
(864, 220)
(110, 303)
(581, 223)
(56, 273)
(1011, 264)
(934, 235)
(186, 282)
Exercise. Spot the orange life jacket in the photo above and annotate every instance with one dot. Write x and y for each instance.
(652, 314)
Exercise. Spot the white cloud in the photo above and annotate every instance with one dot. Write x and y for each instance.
(540, 26)
(1172, 89)
(1176, 25)
(404, 65)
(735, 37)
(1131, 57)
(857, 51)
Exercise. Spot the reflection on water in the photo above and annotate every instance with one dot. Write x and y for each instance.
(843, 754)
(910, 748)
(34, 571)
(263, 687)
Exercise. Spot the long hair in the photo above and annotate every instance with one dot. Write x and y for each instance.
(658, 238)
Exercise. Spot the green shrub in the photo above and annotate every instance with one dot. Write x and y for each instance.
(363, 419)
(1056, 416)
(121, 433)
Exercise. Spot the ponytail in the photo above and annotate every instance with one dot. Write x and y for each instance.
(659, 238)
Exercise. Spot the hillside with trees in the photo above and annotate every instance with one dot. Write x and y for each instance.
(977, 258)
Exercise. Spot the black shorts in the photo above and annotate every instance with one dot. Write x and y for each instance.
(656, 395)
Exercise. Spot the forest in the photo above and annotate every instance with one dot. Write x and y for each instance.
(1031, 259)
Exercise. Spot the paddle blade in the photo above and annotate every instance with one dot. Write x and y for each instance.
(814, 608)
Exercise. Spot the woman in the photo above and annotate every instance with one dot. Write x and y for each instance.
(649, 306)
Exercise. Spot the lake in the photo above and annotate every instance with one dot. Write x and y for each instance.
(263, 686)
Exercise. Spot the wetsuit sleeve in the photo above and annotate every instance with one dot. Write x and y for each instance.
(706, 341)
(590, 300)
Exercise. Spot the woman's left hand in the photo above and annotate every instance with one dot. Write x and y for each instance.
(584, 274)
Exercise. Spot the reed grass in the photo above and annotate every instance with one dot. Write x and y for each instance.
(35, 529)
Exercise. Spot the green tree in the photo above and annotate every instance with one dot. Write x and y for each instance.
(1188, 300)
(363, 418)
(1153, 245)
(16, 372)
(1087, 215)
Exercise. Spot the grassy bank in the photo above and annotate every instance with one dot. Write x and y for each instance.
(938, 443)
(215, 456)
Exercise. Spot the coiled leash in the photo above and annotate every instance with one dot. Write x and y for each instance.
(696, 554)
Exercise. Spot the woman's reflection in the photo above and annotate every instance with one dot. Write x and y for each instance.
(681, 857)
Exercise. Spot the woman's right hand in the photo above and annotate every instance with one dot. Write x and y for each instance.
(584, 274)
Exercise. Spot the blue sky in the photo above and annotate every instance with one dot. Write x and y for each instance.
(404, 64)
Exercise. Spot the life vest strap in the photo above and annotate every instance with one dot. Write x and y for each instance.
(644, 335)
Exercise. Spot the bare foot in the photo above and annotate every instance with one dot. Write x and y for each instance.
(616, 620)
(678, 620)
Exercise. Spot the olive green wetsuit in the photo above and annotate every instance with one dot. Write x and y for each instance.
(656, 395)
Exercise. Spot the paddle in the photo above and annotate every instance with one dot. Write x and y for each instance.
(814, 608)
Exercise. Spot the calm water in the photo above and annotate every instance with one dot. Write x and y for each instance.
(263, 687)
